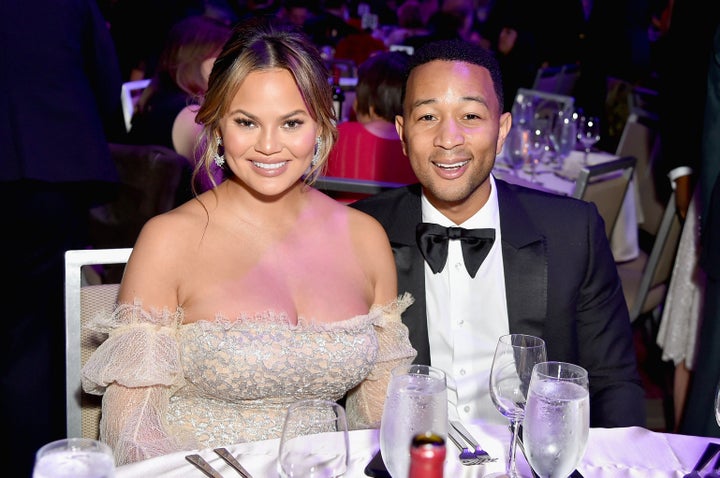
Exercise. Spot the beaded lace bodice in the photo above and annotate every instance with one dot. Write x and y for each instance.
(215, 383)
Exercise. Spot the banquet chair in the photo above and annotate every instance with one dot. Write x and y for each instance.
(543, 105)
(83, 301)
(640, 138)
(605, 185)
(153, 180)
(557, 79)
(348, 190)
(645, 279)
(129, 94)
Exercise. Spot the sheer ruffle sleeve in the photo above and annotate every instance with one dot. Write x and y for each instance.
(137, 369)
(365, 402)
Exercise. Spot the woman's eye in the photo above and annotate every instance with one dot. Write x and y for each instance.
(245, 123)
(292, 124)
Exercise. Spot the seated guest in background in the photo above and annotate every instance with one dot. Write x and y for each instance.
(259, 292)
(166, 109)
(547, 271)
(370, 147)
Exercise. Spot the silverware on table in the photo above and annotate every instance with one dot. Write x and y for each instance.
(480, 454)
(203, 466)
(710, 451)
(715, 472)
(232, 461)
(467, 456)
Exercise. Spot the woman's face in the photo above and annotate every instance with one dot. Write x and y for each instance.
(268, 134)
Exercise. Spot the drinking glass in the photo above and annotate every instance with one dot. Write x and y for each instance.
(588, 134)
(557, 418)
(517, 143)
(515, 357)
(314, 441)
(416, 402)
(537, 144)
(717, 405)
(563, 136)
(74, 458)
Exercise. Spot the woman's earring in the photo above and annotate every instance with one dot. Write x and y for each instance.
(219, 157)
(316, 155)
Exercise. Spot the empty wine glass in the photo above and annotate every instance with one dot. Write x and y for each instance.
(516, 145)
(416, 402)
(515, 356)
(588, 133)
(537, 147)
(557, 418)
(314, 441)
(563, 136)
(717, 405)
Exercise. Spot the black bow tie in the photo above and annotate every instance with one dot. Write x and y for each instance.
(433, 242)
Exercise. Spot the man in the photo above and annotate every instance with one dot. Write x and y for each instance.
(549, 271)
(61, 82)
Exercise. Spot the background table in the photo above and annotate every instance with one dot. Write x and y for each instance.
(611, 453)
(624, 240)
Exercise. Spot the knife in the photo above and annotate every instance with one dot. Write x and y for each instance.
(230, 459)
(203, 466)
(708, 454)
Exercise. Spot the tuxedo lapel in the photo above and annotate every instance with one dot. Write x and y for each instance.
(525, 261)
(407, 214)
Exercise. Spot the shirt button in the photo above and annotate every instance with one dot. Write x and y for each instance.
(458, 265)
(460, 322)
(462, 372)
(467, 408)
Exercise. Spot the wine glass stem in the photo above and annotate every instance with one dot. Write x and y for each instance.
(514, 428)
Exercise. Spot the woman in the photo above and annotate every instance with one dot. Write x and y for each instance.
(259, 292)
(166, 109)
(370, 147)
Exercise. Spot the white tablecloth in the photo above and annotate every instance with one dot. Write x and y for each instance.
(624, 240)
(612, 453)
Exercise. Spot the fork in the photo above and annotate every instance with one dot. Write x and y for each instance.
(479, 452)
(467, 456)
(232, 461)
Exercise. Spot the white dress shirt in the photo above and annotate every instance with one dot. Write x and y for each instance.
(466, 316)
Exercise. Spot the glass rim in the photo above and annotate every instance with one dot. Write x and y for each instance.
(578, 372)
(74, 443)
(407, 368)
(510, 340)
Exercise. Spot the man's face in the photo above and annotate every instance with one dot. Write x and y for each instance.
(451, 129)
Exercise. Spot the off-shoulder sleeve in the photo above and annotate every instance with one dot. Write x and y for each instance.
(137, 368)
(365, 402)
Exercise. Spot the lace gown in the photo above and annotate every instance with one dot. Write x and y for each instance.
(170, 386)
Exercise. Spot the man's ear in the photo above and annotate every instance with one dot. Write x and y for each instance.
(399, 127)
(505, 125)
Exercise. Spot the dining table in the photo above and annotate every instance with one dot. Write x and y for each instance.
(557, 178)
(611, 452)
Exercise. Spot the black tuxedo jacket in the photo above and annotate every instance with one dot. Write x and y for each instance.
(561, 282)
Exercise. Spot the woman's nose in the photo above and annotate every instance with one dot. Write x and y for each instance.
(268, 143)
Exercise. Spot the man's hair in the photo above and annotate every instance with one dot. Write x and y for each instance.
(458, 50)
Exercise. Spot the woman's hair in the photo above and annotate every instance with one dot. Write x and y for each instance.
(380, 82)
(189, 43)
(263, 43)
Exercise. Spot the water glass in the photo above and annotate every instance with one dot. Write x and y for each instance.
(717, 405)
(314, 441)
(416, 402)
(74, 458)
(557, 418)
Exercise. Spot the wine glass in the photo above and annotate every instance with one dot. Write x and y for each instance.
(74, 458)
(557, 418)
(563, 136)
(517, 143)
(416, 402)
(588, 133)
(515, 357)
(537, 147)
(314, 441)
(717, 405)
